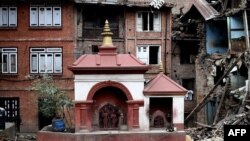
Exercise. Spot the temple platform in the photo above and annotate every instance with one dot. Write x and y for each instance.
(154, 135)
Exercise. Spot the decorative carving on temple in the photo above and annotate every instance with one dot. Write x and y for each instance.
(109, 117)
(158, 120)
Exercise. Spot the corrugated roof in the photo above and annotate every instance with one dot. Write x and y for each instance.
(204, 8)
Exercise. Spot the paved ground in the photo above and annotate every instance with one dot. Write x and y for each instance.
(26, 137)
(19, 137)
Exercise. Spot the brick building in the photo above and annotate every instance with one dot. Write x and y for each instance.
(44, 36)
(209, 41)
(138, 29)
(36, 37)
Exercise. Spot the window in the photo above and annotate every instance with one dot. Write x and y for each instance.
(94, 20)
(45, 60)
(95, 49)
(45, 16)
(149, 54)
(189, 85)
(148, 21)
(188, 53)
(8, 60)
(8, 16)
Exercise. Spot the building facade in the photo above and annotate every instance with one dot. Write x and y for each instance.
(138, 29)
(45, 37)
(216, 36)
(36, 37)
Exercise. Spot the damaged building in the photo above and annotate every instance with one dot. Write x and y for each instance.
(210, 43)
(137, 28)
(43, 37)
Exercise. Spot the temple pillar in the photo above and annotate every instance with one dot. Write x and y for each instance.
(83, 117)
(133, 113)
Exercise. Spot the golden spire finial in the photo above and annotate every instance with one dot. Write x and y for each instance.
(107, 39)
(161, 67)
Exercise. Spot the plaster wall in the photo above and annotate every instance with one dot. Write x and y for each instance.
(178, 109)
(84, 83)
(133, 82)
(144, 115)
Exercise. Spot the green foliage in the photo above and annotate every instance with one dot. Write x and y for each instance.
(52, 100)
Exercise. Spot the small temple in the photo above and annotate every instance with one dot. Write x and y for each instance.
(113, 102)
(111, 94)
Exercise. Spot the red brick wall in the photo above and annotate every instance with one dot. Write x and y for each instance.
(23, 37)
(163, 38)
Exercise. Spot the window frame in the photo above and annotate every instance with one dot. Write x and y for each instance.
(146, 48)
(51, 17)
(8, 52)
(156, 26)
(189, 84)
(11, 18)
(49, 53)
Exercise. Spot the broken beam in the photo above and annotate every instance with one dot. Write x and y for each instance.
(200, 105)
(205, 125)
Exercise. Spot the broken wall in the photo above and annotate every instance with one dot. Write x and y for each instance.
(90, 26)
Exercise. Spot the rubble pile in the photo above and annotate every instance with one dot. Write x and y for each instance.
(204, 133)
(239, 119)
(216, 132)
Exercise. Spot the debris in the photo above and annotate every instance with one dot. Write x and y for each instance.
(204, 133)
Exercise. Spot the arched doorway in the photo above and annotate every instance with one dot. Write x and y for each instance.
(109, 108)
(114, 96)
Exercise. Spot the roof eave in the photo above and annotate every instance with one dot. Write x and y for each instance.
(160, 93)
(123, 3)
(109, 70)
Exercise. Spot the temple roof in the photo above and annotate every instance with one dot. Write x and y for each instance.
(162, 85)
(107, 61)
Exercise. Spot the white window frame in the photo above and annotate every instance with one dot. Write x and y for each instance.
(156, 21)
(8, 52)
(9, 17)
(47, 53)
(49, 17)
(145, 56)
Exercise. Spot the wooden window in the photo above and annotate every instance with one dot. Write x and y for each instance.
(8, 60)
(12, 16)
(57, 16)
(33, 16)
(148, 21)
(41, 15)
(8, 16)
(149, 54)
(45, 60)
